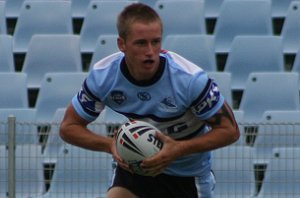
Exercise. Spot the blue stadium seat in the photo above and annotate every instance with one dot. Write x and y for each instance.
(29, 171)
(79, 8)
(199, 49)
(253, 54)
(296, 64)
(56, 91)
(51, 53)
(269, 91)
(13, 8)
(80, 173)
(3, 171)
(3, 28)
(276, 129)
(100, 18)
(291, 29)
(280, 8)
(191, 18)
(282, 175)
(41, 17)
(212, 8)
(13, 89)
(106, 45)
(237, 18)
(26, 131)
(223, 80)
(234, 171)
(7, 63)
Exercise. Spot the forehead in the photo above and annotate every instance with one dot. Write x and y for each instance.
(142, 29)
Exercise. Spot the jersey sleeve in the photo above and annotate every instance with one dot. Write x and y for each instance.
(86, 104)
(207, 99)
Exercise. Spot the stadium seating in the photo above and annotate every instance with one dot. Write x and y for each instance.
(6, 54)
(237, 18)
(191, 18)
(277, 129)
(212, 8)
(28, 173)
(38, 17)
(280, 8)
(3, 28)
(253, 54)
(79, 8)
(223, 80)
(51, 53)
(269, 91)
(234, 171)
(57, 91)
(13, 89)
(26, 131)
(291, 30)
(282, 174)
(106, 44)
(100, 18)
(197, 48)
(296, 64)
(13, 8)
(80, 173)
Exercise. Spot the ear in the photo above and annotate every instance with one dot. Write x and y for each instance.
(121, 44)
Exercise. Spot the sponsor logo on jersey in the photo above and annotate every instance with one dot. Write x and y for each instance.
(144, 96)
(89, 104)
(168, 104)
(207, 102)
(118, 97)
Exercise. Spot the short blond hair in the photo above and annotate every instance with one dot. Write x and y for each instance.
(133, 13)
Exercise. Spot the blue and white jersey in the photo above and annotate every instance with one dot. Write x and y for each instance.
(177, 100)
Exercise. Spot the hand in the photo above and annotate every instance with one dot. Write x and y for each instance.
(170, 151)
(117, 157)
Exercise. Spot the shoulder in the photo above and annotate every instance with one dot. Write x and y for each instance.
(113, 59)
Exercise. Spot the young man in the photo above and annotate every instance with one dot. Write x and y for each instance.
(146, 83)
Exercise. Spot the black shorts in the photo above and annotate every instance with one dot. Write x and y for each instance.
(161, 186)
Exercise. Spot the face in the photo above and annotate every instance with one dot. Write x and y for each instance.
(141, 48)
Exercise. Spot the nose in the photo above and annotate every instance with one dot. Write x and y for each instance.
(150, 49)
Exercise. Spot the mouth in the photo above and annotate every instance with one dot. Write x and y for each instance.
(148, 62)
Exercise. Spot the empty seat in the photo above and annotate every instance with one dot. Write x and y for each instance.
(212, 8)
(25, 128)
(13, 89)
(237, 18)
(51, 53)
(80, 173)
(28, 173)
(253, 54)
(3, 28)
(234, 171)
(100, 18)
(269, 91)
(296, 64)
(79, 8)
(13, 8)
(41, 17)
(197, 48)
(6, 54)
(223, 80)
(105, 45)
(276, 129)
(282, 174)
(291, 30)
(56, 91)
(280, 8)
(191, 18)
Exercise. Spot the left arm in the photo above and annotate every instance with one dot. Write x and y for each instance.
(224, 131)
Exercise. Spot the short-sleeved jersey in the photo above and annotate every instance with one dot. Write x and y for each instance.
(176, 100)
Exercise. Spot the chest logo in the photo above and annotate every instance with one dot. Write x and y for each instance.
(118, 97)
(168, 104)
(144, 96)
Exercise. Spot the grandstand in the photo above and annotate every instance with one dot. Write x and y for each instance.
(254, 44)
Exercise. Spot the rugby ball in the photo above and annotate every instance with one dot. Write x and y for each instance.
(136, 141)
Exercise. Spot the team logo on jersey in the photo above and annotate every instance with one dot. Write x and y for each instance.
(208, 101)
(118, 97)
(168, 104)
(144, 96)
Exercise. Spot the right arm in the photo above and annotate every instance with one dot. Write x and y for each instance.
(74, 130)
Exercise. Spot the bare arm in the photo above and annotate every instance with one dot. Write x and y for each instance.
(74, 130)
